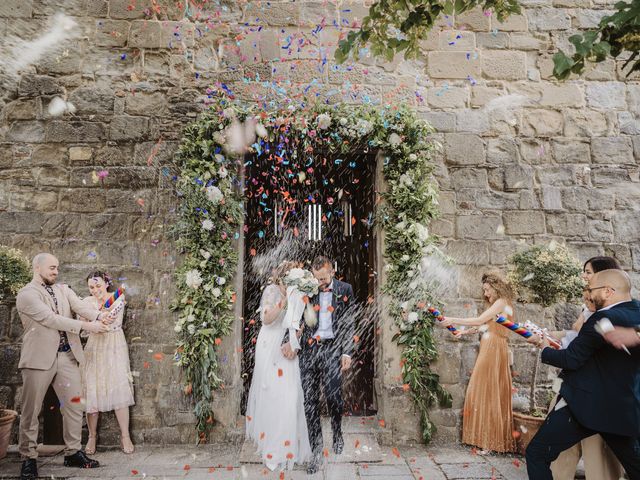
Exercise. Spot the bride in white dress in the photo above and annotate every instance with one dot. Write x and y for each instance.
(275, 418)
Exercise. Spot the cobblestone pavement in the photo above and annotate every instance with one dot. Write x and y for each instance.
(223, 462)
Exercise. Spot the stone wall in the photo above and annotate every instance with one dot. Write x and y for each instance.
(562, 167)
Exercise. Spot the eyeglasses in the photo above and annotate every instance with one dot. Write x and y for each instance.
(589, 290)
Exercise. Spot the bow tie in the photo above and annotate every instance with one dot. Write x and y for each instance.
(327, 290)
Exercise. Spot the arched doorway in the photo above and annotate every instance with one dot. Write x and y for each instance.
(326, 208)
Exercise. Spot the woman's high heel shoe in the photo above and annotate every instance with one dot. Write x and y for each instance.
(90, 449)
(127, 450)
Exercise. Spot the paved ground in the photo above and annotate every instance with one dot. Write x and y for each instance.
(224, 462)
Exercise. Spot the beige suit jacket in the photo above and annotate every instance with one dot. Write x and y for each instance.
(41, 323)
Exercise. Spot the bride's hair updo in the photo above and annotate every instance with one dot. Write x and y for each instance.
(104, 276)
(279, 272)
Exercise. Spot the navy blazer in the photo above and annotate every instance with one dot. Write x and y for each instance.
(601, 384)
(342, 319)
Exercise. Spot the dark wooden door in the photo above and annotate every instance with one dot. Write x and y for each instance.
(327, 212)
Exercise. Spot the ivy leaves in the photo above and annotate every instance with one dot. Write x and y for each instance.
(616, 34)
(398, 26)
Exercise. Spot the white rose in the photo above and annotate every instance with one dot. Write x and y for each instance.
(207, 225)
(191, 318)
(394, 139)
(413, 157)
(404, 258)
(191, 328)
(216, 292)
(193, 279)
(214, 194)
(324, 120)
(343, 121)
(412, 317)
(221, 280)
(223, 172)
(423, 233)
(205, 254)
(405, 179)
(177, 328)
(296, 273)
(261, 131)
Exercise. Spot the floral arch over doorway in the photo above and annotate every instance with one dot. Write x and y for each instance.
(210, 220)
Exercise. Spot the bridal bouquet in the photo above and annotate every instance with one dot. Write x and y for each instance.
(303, 281)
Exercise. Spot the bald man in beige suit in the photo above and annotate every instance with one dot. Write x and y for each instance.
(51, 352)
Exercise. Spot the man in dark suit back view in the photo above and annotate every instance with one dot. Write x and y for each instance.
(600, 390)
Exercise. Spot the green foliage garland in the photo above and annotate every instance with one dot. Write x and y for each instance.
(210, 217)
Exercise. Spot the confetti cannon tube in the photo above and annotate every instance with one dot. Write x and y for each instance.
(114, 296)
(535, 329)
(439, 317)
(520, 330)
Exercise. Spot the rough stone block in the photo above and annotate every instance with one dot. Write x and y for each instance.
(492, 200)
(527, 41)
(27, 200)
(504, 65)
(493, 41)
(125, 128)
(556, 96)
(126, 10)
(145, 34)
(75, 132)
(23, 109)
(154, 104)
(518, 177)
(600, 231)
(469, 178)
(472, 121)
(584, 123)
(567, 224)
(46, 155)
(441, 121)
(542, 123)
(626, 226)
(606, 95)
(568, 150)
(502, 150)
(445, 96)
(80, 153)
(588, 19)
(546, 19)
(16, 8)
(111, 33)
(453, 65)
(26, 132)
(275, 14)
(89, 100)
(614, 150)
(464, 149)
(456, 40)
(481, 95)
(610, 175)
(629, 125)
(97, 8)
(551, 198)
(474, 20)
(32, 85)
(558, 175)
(523, 223)
(479, 227)
(513, 23)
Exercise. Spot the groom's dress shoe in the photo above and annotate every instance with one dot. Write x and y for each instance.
(338, 444)
(29, 469)
(80, 460)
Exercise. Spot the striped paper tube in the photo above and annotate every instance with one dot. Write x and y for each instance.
(439, 317)
(114, 296)
(519, 329)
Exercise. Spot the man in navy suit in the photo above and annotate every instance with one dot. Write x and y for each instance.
(325, 352)
(600, 390)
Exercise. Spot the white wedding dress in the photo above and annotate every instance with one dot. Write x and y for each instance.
(275, 418)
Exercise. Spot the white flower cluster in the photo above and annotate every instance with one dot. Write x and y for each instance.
(303, 280)
(193, 279)
(214, 194)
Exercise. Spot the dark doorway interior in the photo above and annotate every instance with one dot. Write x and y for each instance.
(324, 208)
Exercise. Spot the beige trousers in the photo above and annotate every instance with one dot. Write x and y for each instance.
(67, 384)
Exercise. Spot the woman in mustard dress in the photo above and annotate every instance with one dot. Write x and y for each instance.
(487, 420)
